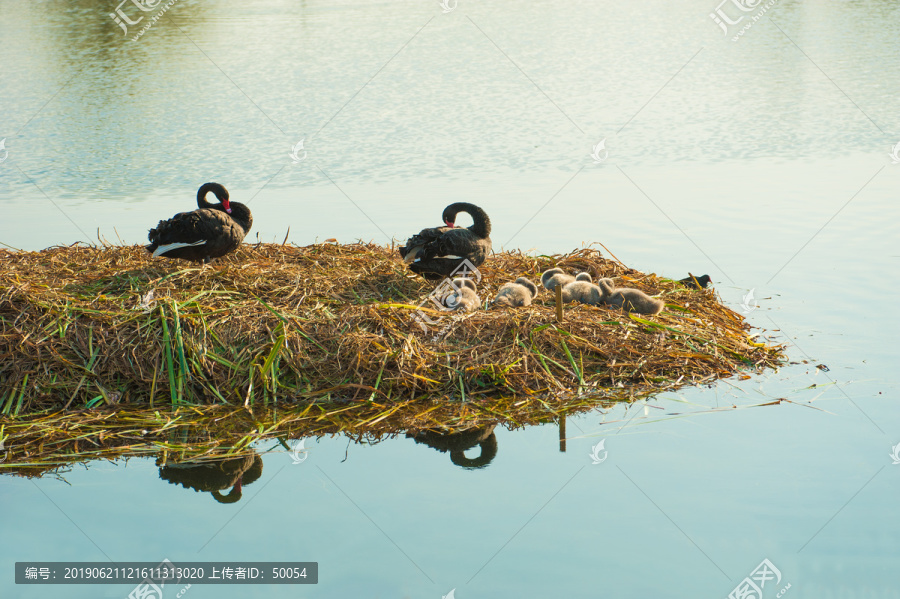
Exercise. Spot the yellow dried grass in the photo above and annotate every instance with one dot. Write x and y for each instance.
(274, 324)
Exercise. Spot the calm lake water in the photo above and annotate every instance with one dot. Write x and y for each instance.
(763, 161)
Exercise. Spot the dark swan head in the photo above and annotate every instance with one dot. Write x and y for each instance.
(220, 192)
(239, 212)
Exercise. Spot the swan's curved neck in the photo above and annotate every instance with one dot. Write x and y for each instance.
(481, 224)
(232, 497)
(219, 190)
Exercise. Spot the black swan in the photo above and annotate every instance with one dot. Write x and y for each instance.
(438, 252)
(464, 296)
(213, 477)
(631, 300)
(458, 443)
(211, 231)
(516, 294)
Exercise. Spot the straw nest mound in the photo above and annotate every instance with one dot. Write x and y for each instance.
(82, 327)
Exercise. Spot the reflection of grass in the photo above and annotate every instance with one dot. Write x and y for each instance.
(46, 442)
(49, 443)
(328, 323)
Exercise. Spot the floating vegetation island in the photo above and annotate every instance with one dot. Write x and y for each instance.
(83, 327)
(336, 333)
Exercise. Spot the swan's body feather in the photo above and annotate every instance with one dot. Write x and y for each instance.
(160, 250)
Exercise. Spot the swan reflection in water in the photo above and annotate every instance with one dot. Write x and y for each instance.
(458, 443)
(214, 476)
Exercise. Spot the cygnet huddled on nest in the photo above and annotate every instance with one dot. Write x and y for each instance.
(630, 300)
(464, 296)
(517, 294)
(584, 291)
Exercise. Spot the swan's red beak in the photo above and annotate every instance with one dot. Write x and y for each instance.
(449, 224)
(227, 205)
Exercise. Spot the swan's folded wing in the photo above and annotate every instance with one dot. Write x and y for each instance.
(409, 253)
(462, 243)
(185, 227)
(423, 241)
(164, 249)
(212, 230)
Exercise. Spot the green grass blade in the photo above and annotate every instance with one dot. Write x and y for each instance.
(170, 359)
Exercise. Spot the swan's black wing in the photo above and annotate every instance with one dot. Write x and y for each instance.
(456, 242)
(437, 252)
(451, 256)
(416, 243)
(198, 235)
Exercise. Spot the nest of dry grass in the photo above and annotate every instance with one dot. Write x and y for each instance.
(274, 324)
